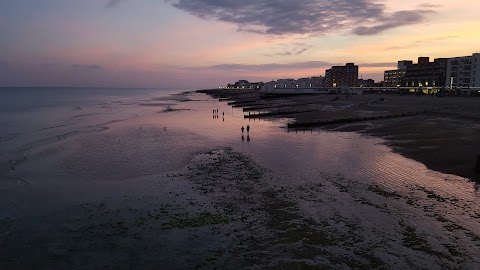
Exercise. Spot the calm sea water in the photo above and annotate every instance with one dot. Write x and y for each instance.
(31, 99)
(24, 111)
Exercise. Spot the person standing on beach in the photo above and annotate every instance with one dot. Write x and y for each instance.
(248, 129)
(242, 129)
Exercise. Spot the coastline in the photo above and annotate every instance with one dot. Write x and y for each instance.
(161, 182)
(438, 132)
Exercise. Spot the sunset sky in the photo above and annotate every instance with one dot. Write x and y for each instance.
(209, 43)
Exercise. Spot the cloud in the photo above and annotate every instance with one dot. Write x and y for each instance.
(287, 66)
(429, 5)
(305, 17)
(420, 42)
(395, 19)
(86, 68)
(384, 64)
(114, 3)
(297, 51)
(272, 66)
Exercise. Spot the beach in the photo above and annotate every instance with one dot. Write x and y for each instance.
(440, 132)
(152, 180)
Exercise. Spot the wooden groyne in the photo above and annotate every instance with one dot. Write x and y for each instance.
(242, 102)
(462, 115)
(272, 106)
(350, 120)
(275, 113)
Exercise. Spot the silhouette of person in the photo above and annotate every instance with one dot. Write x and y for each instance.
(242, 129)
(248, 129)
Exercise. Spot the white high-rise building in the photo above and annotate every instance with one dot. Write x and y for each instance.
(463, 71)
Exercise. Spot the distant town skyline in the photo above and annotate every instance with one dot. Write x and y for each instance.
(206, 43)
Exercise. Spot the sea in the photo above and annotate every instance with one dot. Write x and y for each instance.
(65, 150)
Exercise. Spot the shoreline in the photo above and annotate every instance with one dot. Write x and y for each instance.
(156, 194)
(438, 132)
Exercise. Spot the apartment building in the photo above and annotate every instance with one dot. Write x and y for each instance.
(393, 78)
(426, 73)
(463, 71)
(339, 76)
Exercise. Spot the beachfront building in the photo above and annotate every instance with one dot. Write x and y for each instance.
(244, 84)
(463, 71)
(310, 85)
(269, 85)
(256, 85)
(300, 83)
(241, 84)
(393, 78)
(379, 84)
(286, 83)
(340, 76)
(365, 83)
(426, 73)
(318, 81)
(278, 84)
(304, 82)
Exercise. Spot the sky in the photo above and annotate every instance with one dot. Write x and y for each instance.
(195, 44)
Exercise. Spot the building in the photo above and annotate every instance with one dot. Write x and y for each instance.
(365, 83)
(393, 78)
(256, 85)
(317, 81)
(339, 76)
(241, 84)
(244, 84)
(309, 85)
(426, 73)
(286, 83)
(463, 71)
(311, 82)
(279, 84)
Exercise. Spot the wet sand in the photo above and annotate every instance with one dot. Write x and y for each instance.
(444, 133)
(224, 211)
(170, 190)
